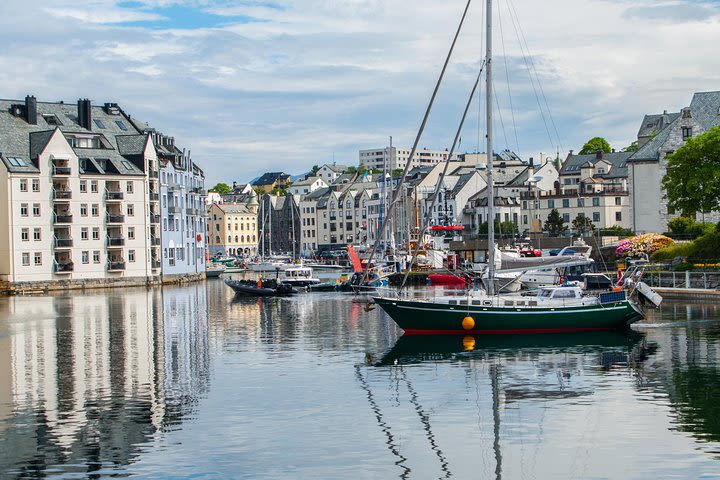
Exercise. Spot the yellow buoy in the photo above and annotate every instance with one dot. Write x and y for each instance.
(468, 323)
(469, 342)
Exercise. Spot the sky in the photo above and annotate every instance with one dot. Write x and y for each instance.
(253, 86)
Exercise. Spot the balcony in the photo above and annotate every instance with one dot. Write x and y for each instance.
(174, 210)
(116, 266)
(153, 174)
(61, 170)
(115, 242)
(197, 190)
(154, 218)
(62, 194)
(62, 218)
(63, 242)
(114, 218)
(63, 267)
(155, 264)
(154, 197)
(114, 195)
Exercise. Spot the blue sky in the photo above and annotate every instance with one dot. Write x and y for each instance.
(253, 86)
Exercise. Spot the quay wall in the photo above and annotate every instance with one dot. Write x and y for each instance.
(688, 293)
(42, 287)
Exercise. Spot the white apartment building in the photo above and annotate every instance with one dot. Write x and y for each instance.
(392, 158)
(309, 185)
(75, 198)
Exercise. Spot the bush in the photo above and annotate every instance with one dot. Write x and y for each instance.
(616, 231)
(680, 225)
(706, 247)
(700, 228)
(679, 250)
(640, 245)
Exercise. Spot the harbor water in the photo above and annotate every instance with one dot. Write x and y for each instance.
(192, 381)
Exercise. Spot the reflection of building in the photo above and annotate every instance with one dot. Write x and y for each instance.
(94, 376)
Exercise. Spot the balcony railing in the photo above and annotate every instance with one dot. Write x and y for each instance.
(154, 241)
(63, 218)
(63, 267)
(112, 218)
(61, 171)
(115, 265)
(155, 264)
(154, 197)
(115, 241)
(63, 242)
(62, 194)
(174, 209)
(114, 195)
(153, 174)
(197, 190)
(154, 218)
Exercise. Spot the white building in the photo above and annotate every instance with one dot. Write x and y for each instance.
(392, 158)
(330, 172)
(309, 185)
(76, 198)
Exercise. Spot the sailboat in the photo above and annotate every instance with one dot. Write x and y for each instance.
(554, 309)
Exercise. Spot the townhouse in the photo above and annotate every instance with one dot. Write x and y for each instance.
(232, 228)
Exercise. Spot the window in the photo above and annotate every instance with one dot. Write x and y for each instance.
(165, 224)
(618, 216)
(85, 256)
(120, 125)
(618, 201)
(596, 202)
(38, 258)
(596, 216)
(566, 203)
(36, 184)
(83, 186)
(566, 217)
(51, 119)
(96, 233)
(99, 123)
(16, 162)
(131, 255)
(26, 259)
(96, 256)
(23, 184)
(25, 234)
(83, 210)
(84, 233)
(94, 186)
(525, 219)
(131, 233)
(37, 234)
(36, 209)
(580, 202)
(129, 187)
(130, 210)
(686, 132)
(95, 209)
(551, 203)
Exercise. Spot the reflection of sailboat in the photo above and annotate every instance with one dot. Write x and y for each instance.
(495, 356)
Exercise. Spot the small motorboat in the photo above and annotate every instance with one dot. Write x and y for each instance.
(260, 288)
(298, 276)
(448, 279)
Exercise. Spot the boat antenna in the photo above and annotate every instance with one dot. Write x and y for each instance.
(489, 126)
(435, 195)
(396, 194)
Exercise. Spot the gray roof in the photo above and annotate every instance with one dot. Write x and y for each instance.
(238, 208)
(20, 139)
(656, 122)
(618, 160)
(651, 150)
(131, 144)
(460, 184)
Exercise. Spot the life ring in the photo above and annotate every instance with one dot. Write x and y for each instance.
(198, 237)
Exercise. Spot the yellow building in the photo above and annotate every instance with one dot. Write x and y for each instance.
(232, 228)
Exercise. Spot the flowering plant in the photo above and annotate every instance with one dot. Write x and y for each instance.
(640, 245)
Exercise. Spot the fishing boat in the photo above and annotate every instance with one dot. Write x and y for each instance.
(485, 312)
(260, 288)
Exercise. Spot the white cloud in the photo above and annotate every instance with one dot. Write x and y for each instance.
(311, 78)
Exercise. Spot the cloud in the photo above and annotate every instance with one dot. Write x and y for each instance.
(251, 86)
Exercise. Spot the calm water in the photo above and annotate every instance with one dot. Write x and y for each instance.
(190, 382)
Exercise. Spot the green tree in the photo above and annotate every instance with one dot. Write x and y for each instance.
(397, 172)
(692, 181)
(582, 225)
(595, 144)
(313, 171)
(501, 228)
(680, 225)
(221, 188)
(633, 147)
(554, 225)
(350, 170)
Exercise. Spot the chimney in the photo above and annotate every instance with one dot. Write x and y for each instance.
(31, 109)
(613, 150)
(85, 113)
(532, 162)
(599, 155)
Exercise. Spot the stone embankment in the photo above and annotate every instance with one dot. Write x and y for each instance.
(44, 287)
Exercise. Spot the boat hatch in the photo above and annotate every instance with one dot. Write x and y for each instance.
(453, 302)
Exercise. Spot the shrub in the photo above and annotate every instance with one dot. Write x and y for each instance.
(700, 228)
(640, 245)
(680, 225)
(706, 247)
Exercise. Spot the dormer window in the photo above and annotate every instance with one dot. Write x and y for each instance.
(86, 141)
(16, 162)
(51, 119)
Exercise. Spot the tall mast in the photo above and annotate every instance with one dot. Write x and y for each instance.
(490, 187)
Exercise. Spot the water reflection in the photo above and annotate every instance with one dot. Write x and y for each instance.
(91, 377)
